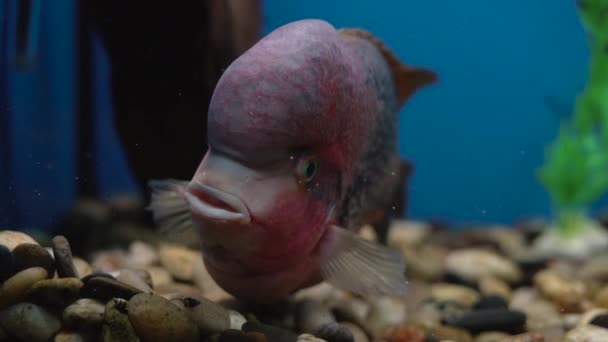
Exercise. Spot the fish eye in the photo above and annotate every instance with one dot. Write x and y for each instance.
(308, 167)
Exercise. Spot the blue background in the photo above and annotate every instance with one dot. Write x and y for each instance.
(509, 71)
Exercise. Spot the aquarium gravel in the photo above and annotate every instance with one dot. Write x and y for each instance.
(480, 284)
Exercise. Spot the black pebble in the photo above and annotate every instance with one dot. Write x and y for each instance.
(7, 263)
(491, 302)
(273, 334)
(453, 278)
(508, 321)
(334, 332)
(600, 320)
(97, 274)
(63, 258)
(104, 289)
(29, 255)
(232, 335)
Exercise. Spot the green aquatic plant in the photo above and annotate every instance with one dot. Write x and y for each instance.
(576, 169)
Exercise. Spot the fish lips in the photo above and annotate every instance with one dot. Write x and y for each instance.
(211, 204)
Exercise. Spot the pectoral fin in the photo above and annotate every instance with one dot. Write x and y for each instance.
(362, 266)
(169, 207)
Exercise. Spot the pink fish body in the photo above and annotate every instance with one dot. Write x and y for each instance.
(301, 132)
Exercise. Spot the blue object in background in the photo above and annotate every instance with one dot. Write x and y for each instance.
(508, 71)
(38, 111)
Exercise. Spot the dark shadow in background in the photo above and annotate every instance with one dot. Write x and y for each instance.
(166, 58)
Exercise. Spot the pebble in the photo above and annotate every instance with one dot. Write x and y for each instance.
(568, 294)
(83, 268)
(104, 289)
(84, 312)
(358, 333)
(491, 302)
(71, 336)
(178, 260)
(155, 318)
(404, 234)
(504, 320)
(63, 258)
(448, 333)
(209, 317)
(134, 279)
(426, 314)
(368, 232)
(587, 333)
(384, 312)
(109, 261)
(456, 293)
(15, 289)
(311, 315)
(177, 288)
(530, 337)
(29, 322)
(450, 311)
(12, 239)
(241, 336)
(236, 320)
(540, 313)
(490, 285)
(601, 297)
(596, 269)
(29, 255)
(86, 278)
(424, 264)
(274, 334)
(309, 338)
(57, 292)
(141, 255)
(492, 336)
(334, 332)
(159, 276)
(116, 324)
(405, 333)
(600, 320)
(586, 317)
(7, 263)
(473, 263)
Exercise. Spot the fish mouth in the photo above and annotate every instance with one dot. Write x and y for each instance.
(213, 204)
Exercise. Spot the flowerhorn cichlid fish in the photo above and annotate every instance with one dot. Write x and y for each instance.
(302, 146)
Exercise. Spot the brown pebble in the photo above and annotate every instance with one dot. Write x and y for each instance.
(406, 333)
(104, 289)
(58, 292)
(29, 255)
(15, 289)
(155, 318)
(63, 258)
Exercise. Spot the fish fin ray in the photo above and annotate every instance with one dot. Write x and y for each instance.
(170, 209)
(407, 79)
(363, 267)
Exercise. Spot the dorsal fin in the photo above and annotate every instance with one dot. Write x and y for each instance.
(407, 79)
